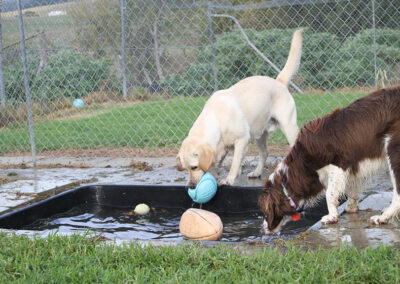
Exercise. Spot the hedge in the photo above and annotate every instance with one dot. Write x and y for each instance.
(326, 61)
(67, 74)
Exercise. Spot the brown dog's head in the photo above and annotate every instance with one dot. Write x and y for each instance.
(196, 158)
(275, 205)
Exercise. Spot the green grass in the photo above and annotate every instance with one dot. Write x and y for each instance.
(53, 27)
(148, 124)
(33, 25)
(82, 260)
(311, 106)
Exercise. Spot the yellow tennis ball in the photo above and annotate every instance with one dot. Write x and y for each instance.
(142, 209)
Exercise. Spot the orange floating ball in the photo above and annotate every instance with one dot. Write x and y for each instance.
(198, 224)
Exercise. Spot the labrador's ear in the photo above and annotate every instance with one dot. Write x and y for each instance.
(206, 157)
(179, 164)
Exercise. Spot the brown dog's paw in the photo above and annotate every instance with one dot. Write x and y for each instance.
(351, 210)
(328, 219)
(378, 219)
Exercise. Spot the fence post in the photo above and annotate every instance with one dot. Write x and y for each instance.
(2, 86)
(123, 47)
(214, 58)
(374, 29)
(26, 81)
(43, 52)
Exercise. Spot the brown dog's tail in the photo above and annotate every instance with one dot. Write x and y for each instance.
(293, 61)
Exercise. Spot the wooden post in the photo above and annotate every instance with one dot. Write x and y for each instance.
(43, 52)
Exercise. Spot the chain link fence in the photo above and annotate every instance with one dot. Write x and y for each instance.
(143, 69)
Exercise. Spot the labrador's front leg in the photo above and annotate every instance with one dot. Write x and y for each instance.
(238, 154)
(262, 147)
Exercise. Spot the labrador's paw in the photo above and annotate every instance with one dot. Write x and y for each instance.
(329, 219)
(254, 174)
(225, 182)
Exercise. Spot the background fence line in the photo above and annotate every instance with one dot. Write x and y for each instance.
(374, 37)
(2, 87)
(26, 82)
(123, 47)
(255, 48)
(212, 37)
(144, 69)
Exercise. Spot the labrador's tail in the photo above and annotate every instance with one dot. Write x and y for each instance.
(293, 61)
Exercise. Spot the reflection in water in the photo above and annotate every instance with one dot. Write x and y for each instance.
(159, 224)
(355, 229)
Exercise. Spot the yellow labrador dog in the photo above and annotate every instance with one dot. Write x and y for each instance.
(250, 109)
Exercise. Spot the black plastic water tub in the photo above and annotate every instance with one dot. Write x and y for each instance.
(107, 209)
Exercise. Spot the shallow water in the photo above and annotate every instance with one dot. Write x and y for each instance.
(159, 224)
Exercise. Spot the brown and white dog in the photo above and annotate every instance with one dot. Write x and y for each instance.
(337, 154)
(249, 110)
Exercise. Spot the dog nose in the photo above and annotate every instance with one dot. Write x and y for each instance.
(191, 185)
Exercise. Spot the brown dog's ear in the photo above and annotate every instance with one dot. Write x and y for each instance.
(268, 186)
(206, 157)
(263, 202)
(179, 164)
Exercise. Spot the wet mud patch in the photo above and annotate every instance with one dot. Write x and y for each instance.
(9, 177)
(140, 166)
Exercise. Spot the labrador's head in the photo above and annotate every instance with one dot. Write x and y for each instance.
(196, 158)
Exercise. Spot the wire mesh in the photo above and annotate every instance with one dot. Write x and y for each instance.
(144, 69)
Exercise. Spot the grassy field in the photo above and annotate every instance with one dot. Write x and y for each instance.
(39, 21)
(147, 124)
(83, 260)
(53, 26)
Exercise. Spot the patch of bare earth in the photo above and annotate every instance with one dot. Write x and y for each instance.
(127, 152)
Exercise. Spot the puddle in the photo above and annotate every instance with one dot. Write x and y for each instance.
(161, 224)
(355, 230)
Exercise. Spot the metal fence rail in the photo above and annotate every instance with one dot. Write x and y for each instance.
(143, 69)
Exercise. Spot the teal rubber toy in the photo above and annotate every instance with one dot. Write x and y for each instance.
(205, 189)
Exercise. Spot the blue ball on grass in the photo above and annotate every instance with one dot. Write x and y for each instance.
(78, 103)
(205, 189)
